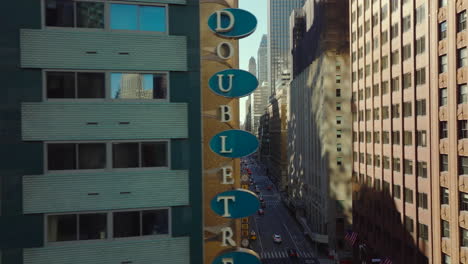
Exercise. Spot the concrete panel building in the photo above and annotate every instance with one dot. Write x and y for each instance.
(319, 124)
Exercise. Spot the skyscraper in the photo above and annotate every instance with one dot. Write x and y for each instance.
(88, 174)
(262, 60)
(252, 66)
(278, 37)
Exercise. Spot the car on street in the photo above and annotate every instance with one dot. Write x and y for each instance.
(261, 211)
(292, 253)
(277, 238)
(263, 204)
(261, 198)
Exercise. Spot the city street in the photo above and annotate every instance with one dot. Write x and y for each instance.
(276, 220)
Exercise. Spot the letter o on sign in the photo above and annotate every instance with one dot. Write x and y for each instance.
(225, 50)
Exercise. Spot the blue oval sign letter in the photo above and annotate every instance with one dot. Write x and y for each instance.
(234, 143)
(243, 256)
(232, 23)
(235, 204)
(233, 83)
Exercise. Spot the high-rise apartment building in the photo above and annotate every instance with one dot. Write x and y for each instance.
(409, 78)
(278, 37)
(319, 125)
(262, 60)
(100, 131)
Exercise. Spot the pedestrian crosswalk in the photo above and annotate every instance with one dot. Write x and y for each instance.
(283, 254)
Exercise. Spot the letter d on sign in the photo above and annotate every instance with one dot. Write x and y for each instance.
(227, 261)
(219, 26)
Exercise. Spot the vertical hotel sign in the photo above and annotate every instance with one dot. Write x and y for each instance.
(222, 24)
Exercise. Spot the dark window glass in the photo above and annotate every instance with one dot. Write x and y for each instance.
(61, 228)
(463, 201)
(463, 237)
(444, 196)
(93, 226)
(91, 156)
(138, 86)
(461, 21)
(60, 84)
(89, 15)
(133, 17)
(155, 222)
(443, 129)
(443, 30)
(462, 129)
(91, 85)
(160, 86)
(443, 162)
(445, 229)
(126, 224)
(463, 165)
(61, 156)
(154, 154)
(59, 13)
(152, 18)
(125, 155)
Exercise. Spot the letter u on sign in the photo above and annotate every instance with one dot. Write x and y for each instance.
(233, 83)
(234, 143)
(240, 256)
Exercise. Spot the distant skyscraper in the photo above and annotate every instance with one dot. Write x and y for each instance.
(278, 36)
(253, 66)
(262, 60)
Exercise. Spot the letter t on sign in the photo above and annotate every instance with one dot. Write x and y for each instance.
(226, 204)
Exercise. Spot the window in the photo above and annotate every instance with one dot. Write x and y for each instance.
(463, 165)
(462, 57)
(338, 92)
(375, 19)
(406, 23)
(395, 84)
(69, 13)
(338, 120)
(338, 106)
(338, 133)
(338, 78)
(72, 156)
(368, 137)
(446, 259)
(443, 67)
(407, 80)
(421, 107)
(386, 162)
(409, 223)
(443, 97)
(384, 37)
(407, 138)
(406, 52)
(443, 133)
(368, 159)
(75, 85)
(443, 30)
(407, 109)
(444, 196)
(421, 76)
(394, 5)
(384, 63)
(407, 166)
(377, 161)
(443, 162)
(422, 200)
(367, 25)
(396, 137)
(462, 94)
(140, 154)
(395, 59)
(394, 31)
(461, 21)
(463, 201)
(138, 17)
(385, 112)
(386, 137)
(462, 129)
(421, 169)
(139, 86)
(361, 136)
(367, 70)
(423, 231)
(375, 66)
(384, 87)
(442, 3)
(420, 14)
(445, 229)
(375, 89)
(386, 187)
(396, 164)
(361, 158)
(408, 195)
(396, 111)
(383, 12)
(96, 226)
(377, 184)
(396, 191)
(338, 147)
(421, 138)
(420, 45)
(463, 237)
(360, 32)
(339, 161)
(376, 113)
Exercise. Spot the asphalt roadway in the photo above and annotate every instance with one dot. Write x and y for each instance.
(277, 220)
